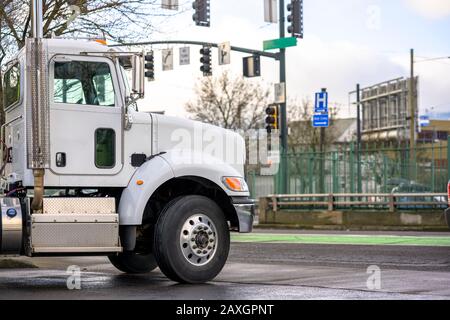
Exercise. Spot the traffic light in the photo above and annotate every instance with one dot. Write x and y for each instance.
(295, 18)
(206, 67)
(202, 13)
(272, 118)
(150, 66)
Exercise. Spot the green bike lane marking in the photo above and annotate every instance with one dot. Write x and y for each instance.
(343, 239)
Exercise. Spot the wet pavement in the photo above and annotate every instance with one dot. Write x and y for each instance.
(255, 270)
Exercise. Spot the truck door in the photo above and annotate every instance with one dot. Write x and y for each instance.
(85, 116)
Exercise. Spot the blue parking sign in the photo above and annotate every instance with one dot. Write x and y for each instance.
(321, 105)
(321, 121)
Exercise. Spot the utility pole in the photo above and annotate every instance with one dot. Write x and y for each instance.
(412, 108)
(358, 133)
(283, 172)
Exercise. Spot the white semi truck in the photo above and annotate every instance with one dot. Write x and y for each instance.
(85, 173)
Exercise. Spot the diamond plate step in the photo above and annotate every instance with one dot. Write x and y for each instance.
(79, 205)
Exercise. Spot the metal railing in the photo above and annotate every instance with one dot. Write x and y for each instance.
(391, 202)
(372, 169)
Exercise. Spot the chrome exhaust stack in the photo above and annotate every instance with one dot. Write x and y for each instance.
(38, 110)
(37, 19)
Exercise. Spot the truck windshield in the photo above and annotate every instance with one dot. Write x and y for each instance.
(83, 82)
(11, 83)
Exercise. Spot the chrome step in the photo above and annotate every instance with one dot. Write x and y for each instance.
(75, 225)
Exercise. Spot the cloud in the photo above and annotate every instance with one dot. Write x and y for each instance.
(317, 62)
(337, 66)
(431, 9)
(434, 77)
(314, 64)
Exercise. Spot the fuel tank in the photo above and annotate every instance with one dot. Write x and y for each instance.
(12, 224)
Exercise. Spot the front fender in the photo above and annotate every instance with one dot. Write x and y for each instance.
(134, 198)
(161, 169)
(191, 163)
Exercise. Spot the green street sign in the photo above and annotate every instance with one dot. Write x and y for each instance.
(280, 43)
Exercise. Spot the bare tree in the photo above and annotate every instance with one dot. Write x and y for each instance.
(229, 102)
(118, 20)
(302, 134)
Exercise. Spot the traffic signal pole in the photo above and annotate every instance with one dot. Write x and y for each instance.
(199, 43)
(283, 172)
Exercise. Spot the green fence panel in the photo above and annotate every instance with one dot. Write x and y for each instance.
(382, 170)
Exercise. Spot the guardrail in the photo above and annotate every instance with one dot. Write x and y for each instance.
(331, 202)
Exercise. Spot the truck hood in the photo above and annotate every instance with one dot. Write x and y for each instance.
(199, 142)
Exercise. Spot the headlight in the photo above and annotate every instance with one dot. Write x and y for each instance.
(235, 184)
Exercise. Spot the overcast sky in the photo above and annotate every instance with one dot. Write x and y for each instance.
(346, 41)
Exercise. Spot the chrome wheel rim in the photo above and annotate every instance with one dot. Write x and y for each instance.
(198, 239)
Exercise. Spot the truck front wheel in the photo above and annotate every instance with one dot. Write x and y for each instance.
(133, 263)
(192, 240)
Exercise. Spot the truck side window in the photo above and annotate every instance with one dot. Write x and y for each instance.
(105, 148)
(11, 86)
(83, 82)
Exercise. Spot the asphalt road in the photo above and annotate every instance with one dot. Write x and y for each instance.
(265, 268)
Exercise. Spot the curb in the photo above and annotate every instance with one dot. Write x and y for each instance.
(350, 228)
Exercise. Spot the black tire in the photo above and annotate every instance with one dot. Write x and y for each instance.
(167, 244)
(133, 263)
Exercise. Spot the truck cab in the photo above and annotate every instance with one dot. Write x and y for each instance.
(85, 172)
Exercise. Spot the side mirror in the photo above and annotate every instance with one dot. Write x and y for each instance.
(138, 84)
(126, 62)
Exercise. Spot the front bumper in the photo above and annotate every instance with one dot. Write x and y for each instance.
(447, 216)
(245, 210)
